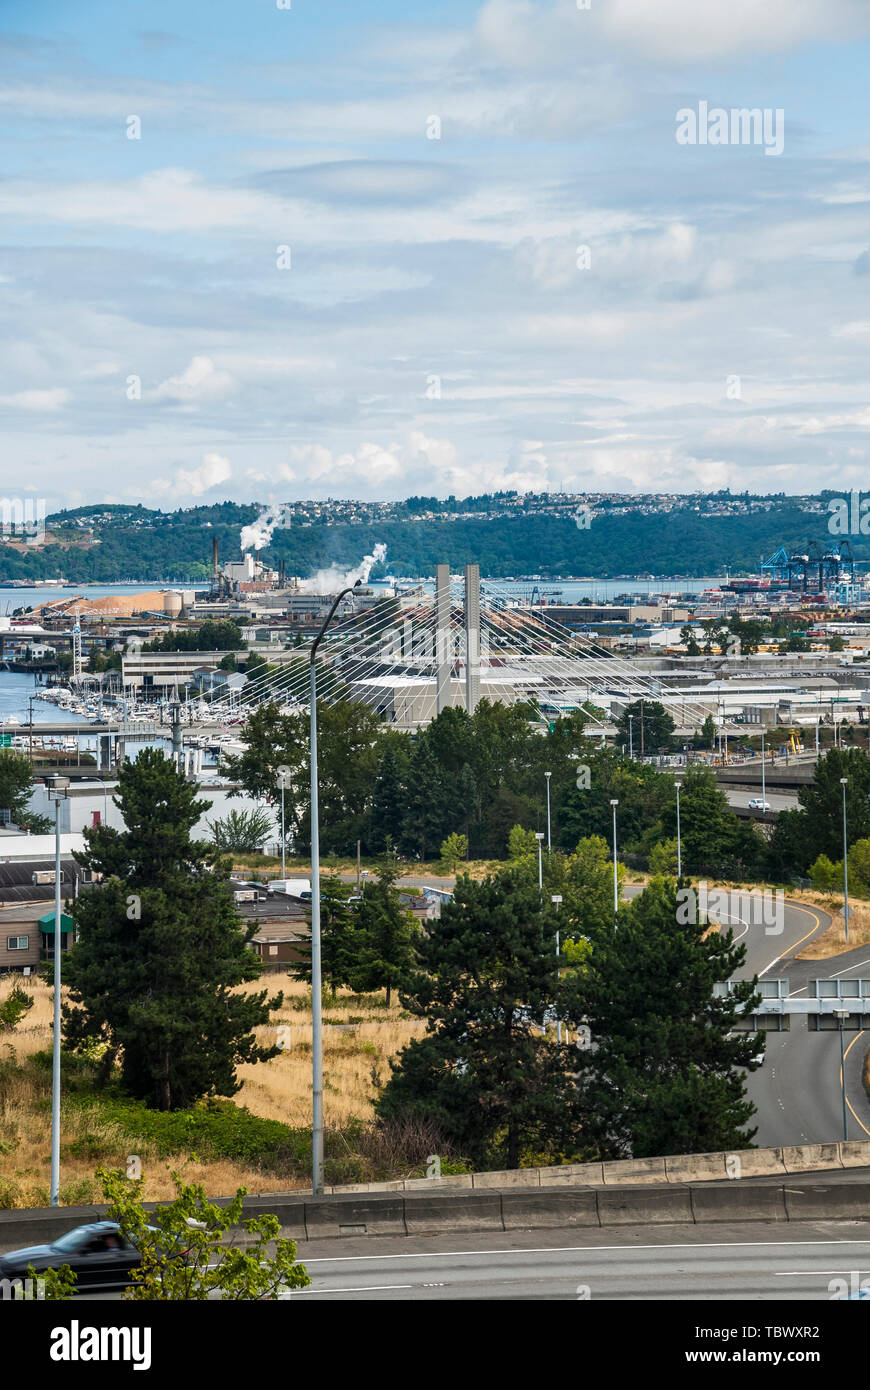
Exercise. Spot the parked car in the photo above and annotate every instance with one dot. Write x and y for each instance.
(99, 1255)
(757, 803)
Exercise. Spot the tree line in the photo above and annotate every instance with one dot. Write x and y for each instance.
(648, 1062)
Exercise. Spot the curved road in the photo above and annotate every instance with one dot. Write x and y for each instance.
(797, 1090)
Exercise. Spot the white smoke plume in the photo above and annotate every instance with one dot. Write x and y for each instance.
(259, 533)
(331, 581)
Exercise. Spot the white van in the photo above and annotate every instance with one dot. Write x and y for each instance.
(293, 887)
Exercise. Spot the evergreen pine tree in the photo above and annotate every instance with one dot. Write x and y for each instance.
(495, 1086)
(160, 949)
(381, 947)
(425, 823)
(388, 806)
(663, 1075)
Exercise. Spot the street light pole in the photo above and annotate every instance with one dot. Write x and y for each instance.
(630, 741)
(57, 791)
(763, 801)
(548, 775)
(843, 1014)
(614, 804)
(844, 783)
(284, 775)
(679, 846)
(539, 836)
(555, 899)
(316, 999)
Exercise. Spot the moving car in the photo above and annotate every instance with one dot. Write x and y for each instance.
(99, 1255)
(757, 803)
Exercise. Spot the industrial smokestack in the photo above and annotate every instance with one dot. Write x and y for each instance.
(214, 556)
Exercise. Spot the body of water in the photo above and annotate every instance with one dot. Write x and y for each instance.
(31, 597)
(16, 687)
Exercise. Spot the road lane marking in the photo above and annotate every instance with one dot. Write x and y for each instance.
(583, 1249)
(360, 1288)
(810, 912)
(848, 1102)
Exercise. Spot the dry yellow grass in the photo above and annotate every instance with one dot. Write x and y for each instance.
(358, 1042)
(833, 941)
(279, 1089)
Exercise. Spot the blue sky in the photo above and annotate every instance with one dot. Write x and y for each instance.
(437, 328)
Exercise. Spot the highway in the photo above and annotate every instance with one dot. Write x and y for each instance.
(740, 797)
(797, 1091)
(714, 1262)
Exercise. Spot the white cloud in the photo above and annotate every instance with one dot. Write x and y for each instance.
(193, 482)
(522, 35)
(200, 381)
(55, 398)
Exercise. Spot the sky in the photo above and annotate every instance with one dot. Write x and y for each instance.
(281, 249)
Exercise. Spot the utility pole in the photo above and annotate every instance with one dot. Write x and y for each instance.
(358, 864)
(548, 775)
(844, 782)
(316, 988)
(641, 729)
(614, 804)
(555, 899)
(842, 1015)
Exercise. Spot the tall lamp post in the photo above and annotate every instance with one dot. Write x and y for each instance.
(614, 804)
(679, 844)
(539, 836)
(763, 792)
(844, 782)
(316, 1000)
(284, 776)
(548, 775)
(842, 1015)
(630, 740)
(58, 788)
(555, 899)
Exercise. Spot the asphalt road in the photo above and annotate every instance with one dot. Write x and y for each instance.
(797, 1091)
(777, 801)
(715, 1263)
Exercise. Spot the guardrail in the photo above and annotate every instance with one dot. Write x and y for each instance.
(690, 1188)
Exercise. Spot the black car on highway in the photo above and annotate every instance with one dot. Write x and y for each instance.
(99, 1255)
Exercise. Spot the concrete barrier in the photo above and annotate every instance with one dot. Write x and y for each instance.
(738, 1202)
(290, 1213)
(451, 1180)
(573, 1175)
(363, 1187)
(854, 1153)
(509, 1177)
(633, 1171)
(804, 1158)
(358, 1216)
(696, 1167)
(537, 1210)
(754, 1163)
(460, 1211)
(644, 1206)
(848, 1201)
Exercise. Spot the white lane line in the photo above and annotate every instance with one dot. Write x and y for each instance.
(802, 1273)
(360, 1288)
(856, 966)
(583, 1249)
